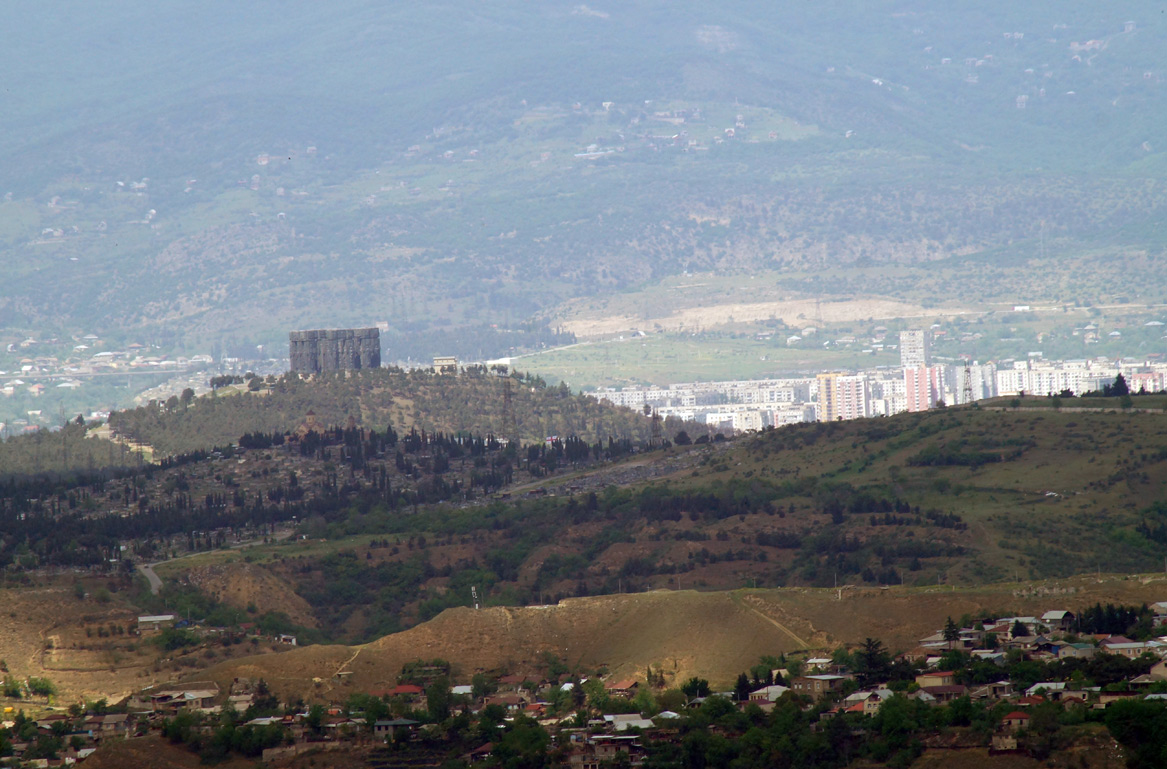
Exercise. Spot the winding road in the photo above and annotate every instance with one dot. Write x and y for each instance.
(147, 569)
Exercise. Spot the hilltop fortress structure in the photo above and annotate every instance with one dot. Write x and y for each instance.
(340, 349)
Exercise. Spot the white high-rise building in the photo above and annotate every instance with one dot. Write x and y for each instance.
(914, 351)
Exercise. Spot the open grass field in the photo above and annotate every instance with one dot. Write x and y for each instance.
(668, 358)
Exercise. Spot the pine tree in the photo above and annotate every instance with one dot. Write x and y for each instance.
(951, 631)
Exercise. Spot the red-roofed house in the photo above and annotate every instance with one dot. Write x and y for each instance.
(1015, 720)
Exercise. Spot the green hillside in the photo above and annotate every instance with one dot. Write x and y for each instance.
(957, 496)
(472, 402)
(397, 524)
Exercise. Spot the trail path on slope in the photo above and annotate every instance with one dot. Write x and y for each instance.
(742, 602)
(344, 665)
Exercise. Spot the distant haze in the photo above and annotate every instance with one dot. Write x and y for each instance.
(218, 174)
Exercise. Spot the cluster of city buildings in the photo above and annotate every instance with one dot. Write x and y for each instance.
(36, 373)
(37, 368)
(919, 384)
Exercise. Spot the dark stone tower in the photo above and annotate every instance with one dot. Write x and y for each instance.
(344, 349)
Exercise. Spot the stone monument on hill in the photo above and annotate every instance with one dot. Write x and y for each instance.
(341, 349)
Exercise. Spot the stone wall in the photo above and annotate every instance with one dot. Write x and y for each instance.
(343, 349)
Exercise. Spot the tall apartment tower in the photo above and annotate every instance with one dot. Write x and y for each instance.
(922, 387)
(827, 408)
(914, 352)
(842, 396)
(344, 349)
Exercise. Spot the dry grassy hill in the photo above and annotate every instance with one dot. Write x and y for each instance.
(48, 632)
(715, 635)
(251, 587)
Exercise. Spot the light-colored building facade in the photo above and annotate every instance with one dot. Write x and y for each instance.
(921, 388)
(914, 352)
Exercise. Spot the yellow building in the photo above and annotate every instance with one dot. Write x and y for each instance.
(828, 404)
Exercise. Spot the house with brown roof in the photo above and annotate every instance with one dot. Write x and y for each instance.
(623, 688)
(479, 754)
(110, 725)
(1015, 721)
(199, 698)
(512, 681)
(509, 700)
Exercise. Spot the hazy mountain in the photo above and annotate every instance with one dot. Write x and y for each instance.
(454, 167)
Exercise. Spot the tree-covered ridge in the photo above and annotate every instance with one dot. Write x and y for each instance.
(207, 499)
(70, 451)
(474, 401)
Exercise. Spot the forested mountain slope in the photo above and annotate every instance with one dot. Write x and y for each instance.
(457, 170)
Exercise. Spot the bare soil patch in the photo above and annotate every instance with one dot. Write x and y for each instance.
(793, 312)
(244, 585)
